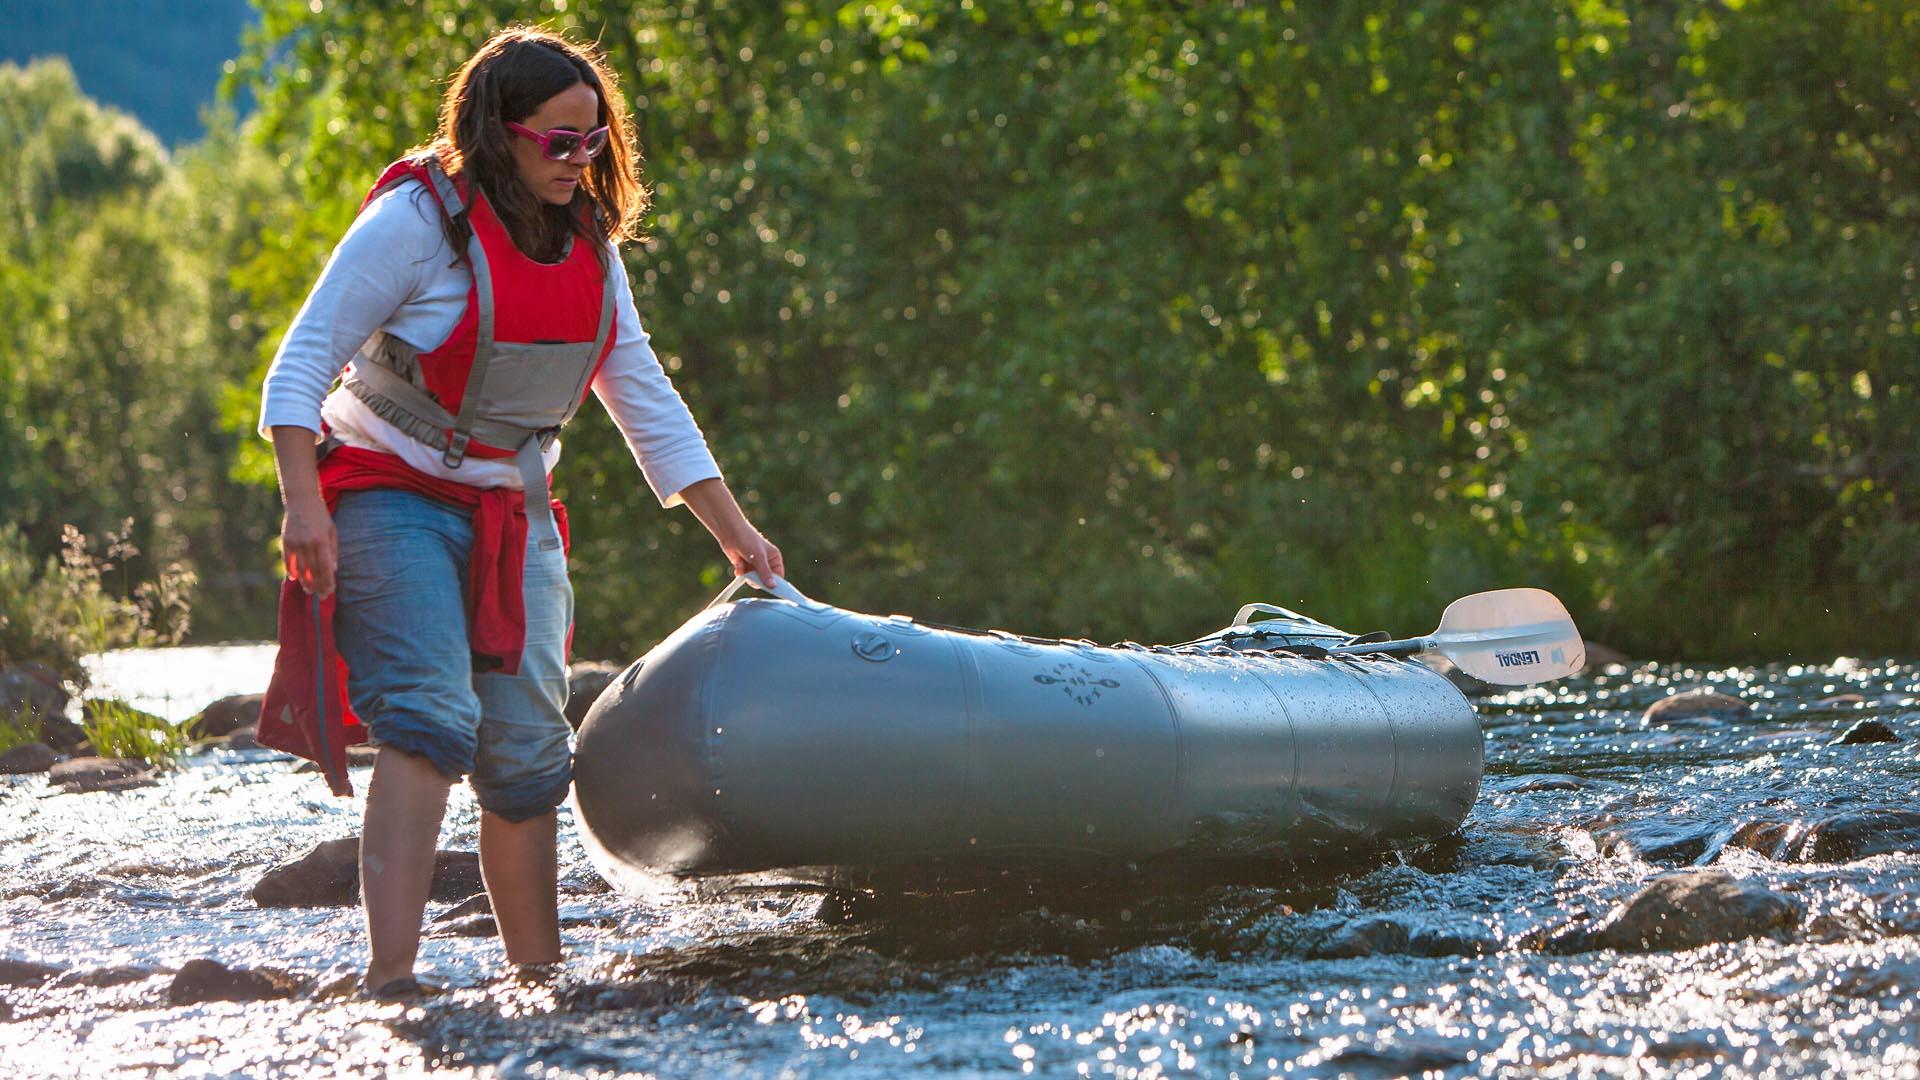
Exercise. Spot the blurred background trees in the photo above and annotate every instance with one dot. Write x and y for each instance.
(1105, 318)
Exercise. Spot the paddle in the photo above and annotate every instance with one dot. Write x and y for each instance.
(1508, 637)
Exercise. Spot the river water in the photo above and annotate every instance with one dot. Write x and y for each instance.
(1583, 803)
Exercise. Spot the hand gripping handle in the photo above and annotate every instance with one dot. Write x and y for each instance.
(779, 587)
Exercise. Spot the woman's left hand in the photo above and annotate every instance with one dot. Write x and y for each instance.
(746, 549)
(754, 553)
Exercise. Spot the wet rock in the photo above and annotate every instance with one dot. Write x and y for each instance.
(1405, 1056)
(1839, 701)
(31, 758)
(1866, 731)
(243, 739)
(1684, 911)
(329, 876)
(1382, 935)
(1852, 836)
(37, 691)
(361, 754)
(1657, 840)
(477, 904)
(1373, 936)
(208, 980)
(26, 973)
(1521, 785)
(1696, 704)
(108, 976)
(585, 681)
(100, 774)
(227, 715)
(471, 926)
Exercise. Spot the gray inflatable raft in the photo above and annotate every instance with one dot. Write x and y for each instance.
(785, 733)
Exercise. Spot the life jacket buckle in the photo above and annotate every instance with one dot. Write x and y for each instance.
(456, 450)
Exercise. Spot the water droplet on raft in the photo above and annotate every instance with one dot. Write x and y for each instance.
(1100, 752)
(1089, 830)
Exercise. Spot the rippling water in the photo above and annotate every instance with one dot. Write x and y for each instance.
(1582, 804)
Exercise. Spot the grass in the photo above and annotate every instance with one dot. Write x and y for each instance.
(118, 730)
(18, 727)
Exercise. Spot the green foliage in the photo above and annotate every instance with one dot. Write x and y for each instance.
(118, 730)
(18, 727)
(58, 611)
(122, 332)
(1104, 319)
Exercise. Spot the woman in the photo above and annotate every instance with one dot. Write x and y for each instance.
(478, 296)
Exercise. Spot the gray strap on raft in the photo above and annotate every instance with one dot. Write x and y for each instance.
(778, 586)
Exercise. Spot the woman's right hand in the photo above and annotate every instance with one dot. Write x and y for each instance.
(307, 541)
(310, 545)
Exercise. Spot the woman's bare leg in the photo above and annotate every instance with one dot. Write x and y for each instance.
(521, 869)
(405, 802)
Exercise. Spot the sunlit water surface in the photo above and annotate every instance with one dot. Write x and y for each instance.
(1143, 977)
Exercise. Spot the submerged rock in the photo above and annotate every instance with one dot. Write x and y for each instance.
(31, 758)
(329, 876)
(229, 714)
(1867, 731)
(1686, 910)
(1847, 837)
(585, 681)
(1667, 841)
(208, 980)
(108, 976)
(1852, 836)
(100, 774)
(1384, 935)
(1694, 704)
(26, 973)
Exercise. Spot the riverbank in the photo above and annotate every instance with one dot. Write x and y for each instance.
(1498, 950)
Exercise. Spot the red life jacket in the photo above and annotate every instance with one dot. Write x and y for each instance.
(525, 330)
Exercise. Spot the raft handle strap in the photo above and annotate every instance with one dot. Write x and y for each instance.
(1249, 611)
(779, 587)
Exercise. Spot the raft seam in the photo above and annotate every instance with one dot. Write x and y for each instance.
(1181, 806)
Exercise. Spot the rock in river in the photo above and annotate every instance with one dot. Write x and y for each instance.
(1867, 731)
(229, 714)
(329, 876)
(31, 758)
(100, 774)
(1837, 838)
(1697, 703)
(1684, 911)
(208, 980)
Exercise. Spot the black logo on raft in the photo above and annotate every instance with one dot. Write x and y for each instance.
(1523, 658)
(1078, 682)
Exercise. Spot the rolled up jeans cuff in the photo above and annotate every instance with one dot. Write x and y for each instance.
(429, 742)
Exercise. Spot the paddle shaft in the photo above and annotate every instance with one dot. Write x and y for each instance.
(1402, 647)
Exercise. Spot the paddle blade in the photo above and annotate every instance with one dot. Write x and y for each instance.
(1511, 637)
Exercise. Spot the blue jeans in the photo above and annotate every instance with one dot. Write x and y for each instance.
(401, 625)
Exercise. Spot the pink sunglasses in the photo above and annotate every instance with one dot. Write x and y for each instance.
(561, 143)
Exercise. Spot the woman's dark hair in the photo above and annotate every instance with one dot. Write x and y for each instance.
(509, 78)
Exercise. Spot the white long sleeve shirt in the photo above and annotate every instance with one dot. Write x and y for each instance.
(394, 272)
